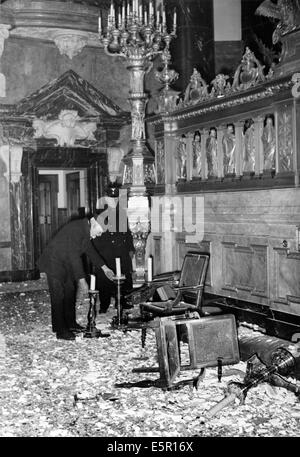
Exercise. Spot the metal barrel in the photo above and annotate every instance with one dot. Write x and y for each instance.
(265, 346)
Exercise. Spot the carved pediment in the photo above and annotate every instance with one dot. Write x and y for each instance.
(69, 92)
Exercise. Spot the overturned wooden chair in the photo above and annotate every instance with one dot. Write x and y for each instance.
(211, 342)
(187, 293)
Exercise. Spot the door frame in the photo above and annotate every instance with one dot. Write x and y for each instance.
(66, 158)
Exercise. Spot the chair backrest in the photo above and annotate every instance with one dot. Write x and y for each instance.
(193, 273)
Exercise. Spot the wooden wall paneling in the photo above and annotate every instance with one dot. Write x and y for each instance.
(245, 269)
(287, 271)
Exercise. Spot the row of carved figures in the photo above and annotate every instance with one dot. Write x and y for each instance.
(218, 152)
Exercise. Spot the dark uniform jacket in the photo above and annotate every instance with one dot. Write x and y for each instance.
(113, 245)
(64, 252)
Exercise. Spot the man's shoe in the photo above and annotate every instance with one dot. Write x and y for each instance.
(65, 335)
(77, 328)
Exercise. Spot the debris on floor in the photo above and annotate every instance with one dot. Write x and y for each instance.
(53, 388)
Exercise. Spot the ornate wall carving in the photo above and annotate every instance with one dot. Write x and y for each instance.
(66, 129)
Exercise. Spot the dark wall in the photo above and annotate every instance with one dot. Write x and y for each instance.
(257, 33)
(28, 64)
(194, 46)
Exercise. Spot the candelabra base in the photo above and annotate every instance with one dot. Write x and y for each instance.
(119, 323)
(95, 333)
(91, 330)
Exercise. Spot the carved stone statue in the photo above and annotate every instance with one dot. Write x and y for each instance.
(287, 12)
(249, 147)
(269, 143)
(211, 153)
(66, 129)
(197, 162)
(196, 90)
(228, 143)
(248, 73)
(138, 126)
(160, 160)
(181, 158)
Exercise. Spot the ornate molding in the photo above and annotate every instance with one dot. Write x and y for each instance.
(4, 33)
(69, 42)
(66, 129)
(221, 104)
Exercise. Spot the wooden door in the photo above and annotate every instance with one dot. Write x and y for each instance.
(73, 194)
(48, 208)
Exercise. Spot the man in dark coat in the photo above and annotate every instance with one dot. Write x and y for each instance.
(62, 261)
(114, 243)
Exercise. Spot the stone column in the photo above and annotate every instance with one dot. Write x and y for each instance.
(239, 148)
(4, 33)
(204, 136)
(259, 152)
(227, 35)
(192, 48)
(220, 134)
(189, 156)
(170, 144)
(5, 224)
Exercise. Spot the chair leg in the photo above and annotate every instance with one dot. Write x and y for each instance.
(144, 334)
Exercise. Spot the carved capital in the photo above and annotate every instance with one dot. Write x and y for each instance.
(70, 42)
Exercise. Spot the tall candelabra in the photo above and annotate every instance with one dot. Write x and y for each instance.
(138, 33)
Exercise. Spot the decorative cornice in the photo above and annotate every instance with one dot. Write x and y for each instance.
(223, 103)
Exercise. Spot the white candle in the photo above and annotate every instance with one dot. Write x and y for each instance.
(149, 269)
(123, 13)
(151, 9)
(93, 282)
(157, 18)
(99, 25)
(118, 267)
(175, 20)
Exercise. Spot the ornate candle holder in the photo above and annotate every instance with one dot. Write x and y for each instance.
(118, 320)
(137, 33)
(91, 330)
